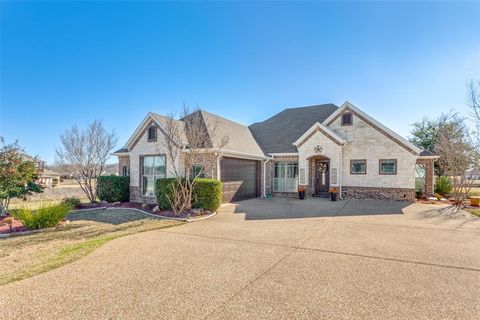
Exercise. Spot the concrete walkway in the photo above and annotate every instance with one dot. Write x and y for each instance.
(417, 264)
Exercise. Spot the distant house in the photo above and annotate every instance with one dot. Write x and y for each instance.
(315, 147)
(46, 178)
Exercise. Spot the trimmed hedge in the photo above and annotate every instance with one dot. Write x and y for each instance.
(163, 191)
(207, 193)
(113, 188)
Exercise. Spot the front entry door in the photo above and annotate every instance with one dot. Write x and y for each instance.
(323, 176)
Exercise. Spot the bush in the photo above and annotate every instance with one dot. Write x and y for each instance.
(73, 202)
(113, 188)
(46, 216)
(163, 192)
(207, 194)
(443, 186)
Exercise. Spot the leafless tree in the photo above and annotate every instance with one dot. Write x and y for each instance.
(459, 160)
(189, 142)
(473, 98)
(83, 154)
(473, 101)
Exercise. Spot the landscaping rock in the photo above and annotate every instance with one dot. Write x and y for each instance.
(118, 203)
(144, 206)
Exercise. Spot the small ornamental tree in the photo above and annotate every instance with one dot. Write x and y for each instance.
(194, 139)
(84, 153)
(17, 175)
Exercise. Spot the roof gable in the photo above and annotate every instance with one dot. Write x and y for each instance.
(318, 127)
(347, 106)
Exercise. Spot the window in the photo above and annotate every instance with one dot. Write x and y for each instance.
(152, 134)
(358, 166)
(347, 119)
(197, 171)
(420, 177)
(388, 166)
(125, 171)
(152, 168)
(285, 176)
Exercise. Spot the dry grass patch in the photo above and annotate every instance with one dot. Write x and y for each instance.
(25, 256)
(474, 211)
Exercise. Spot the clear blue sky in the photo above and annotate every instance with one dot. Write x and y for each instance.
(72, 62)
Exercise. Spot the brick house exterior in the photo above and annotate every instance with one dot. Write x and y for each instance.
(317, 147)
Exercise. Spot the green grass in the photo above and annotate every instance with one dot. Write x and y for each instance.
(26, 256)
(473, 211)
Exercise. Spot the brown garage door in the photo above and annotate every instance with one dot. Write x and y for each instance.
(240, 179)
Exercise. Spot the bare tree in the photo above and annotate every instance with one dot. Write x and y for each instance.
(459, 159)
(473, 98)
(83, 154)
(188, 142)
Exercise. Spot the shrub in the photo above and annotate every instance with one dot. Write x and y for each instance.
(46, 216)
(113, 188)
(163, 192)
(207, 194)
(73, 202)
(443, 186)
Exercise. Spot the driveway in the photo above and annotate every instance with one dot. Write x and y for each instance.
(249, 262)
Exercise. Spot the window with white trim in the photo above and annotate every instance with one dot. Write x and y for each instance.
(285, 177)
(152, 168)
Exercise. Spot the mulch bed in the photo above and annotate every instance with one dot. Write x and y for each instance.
(148, 208)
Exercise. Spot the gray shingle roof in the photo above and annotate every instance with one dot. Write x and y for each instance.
(276, 134)
(240, 139)
(122, 150)
(426, 153)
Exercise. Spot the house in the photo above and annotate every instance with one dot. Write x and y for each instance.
(317, 147)
(46, 178)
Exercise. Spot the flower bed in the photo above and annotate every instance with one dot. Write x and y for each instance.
(147, 208)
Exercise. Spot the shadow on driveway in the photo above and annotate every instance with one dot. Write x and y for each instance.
(291, 208)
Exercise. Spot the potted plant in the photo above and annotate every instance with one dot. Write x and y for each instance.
(301, 192)
(333, 194)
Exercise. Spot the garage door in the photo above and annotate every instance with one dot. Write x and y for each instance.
(240, 179)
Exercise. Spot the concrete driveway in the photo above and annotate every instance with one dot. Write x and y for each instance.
(253, 264)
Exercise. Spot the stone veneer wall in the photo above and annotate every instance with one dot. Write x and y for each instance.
(378, 193)
(429, 174)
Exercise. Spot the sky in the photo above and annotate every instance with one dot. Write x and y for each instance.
(66, 63)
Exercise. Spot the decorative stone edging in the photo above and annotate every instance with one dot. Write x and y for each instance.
(24, 233)
(152, 214)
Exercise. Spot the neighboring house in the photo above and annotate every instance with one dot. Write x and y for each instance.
(46, 178)
(317, 147)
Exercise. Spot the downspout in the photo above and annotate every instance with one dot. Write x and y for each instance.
(265, 177)
(219, 172)
(340, 173)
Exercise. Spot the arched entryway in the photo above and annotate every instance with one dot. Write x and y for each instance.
(319, 180)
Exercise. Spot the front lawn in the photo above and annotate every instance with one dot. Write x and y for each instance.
(25, 256)
(473, 211)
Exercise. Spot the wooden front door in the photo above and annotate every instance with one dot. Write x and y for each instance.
(322, 176)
